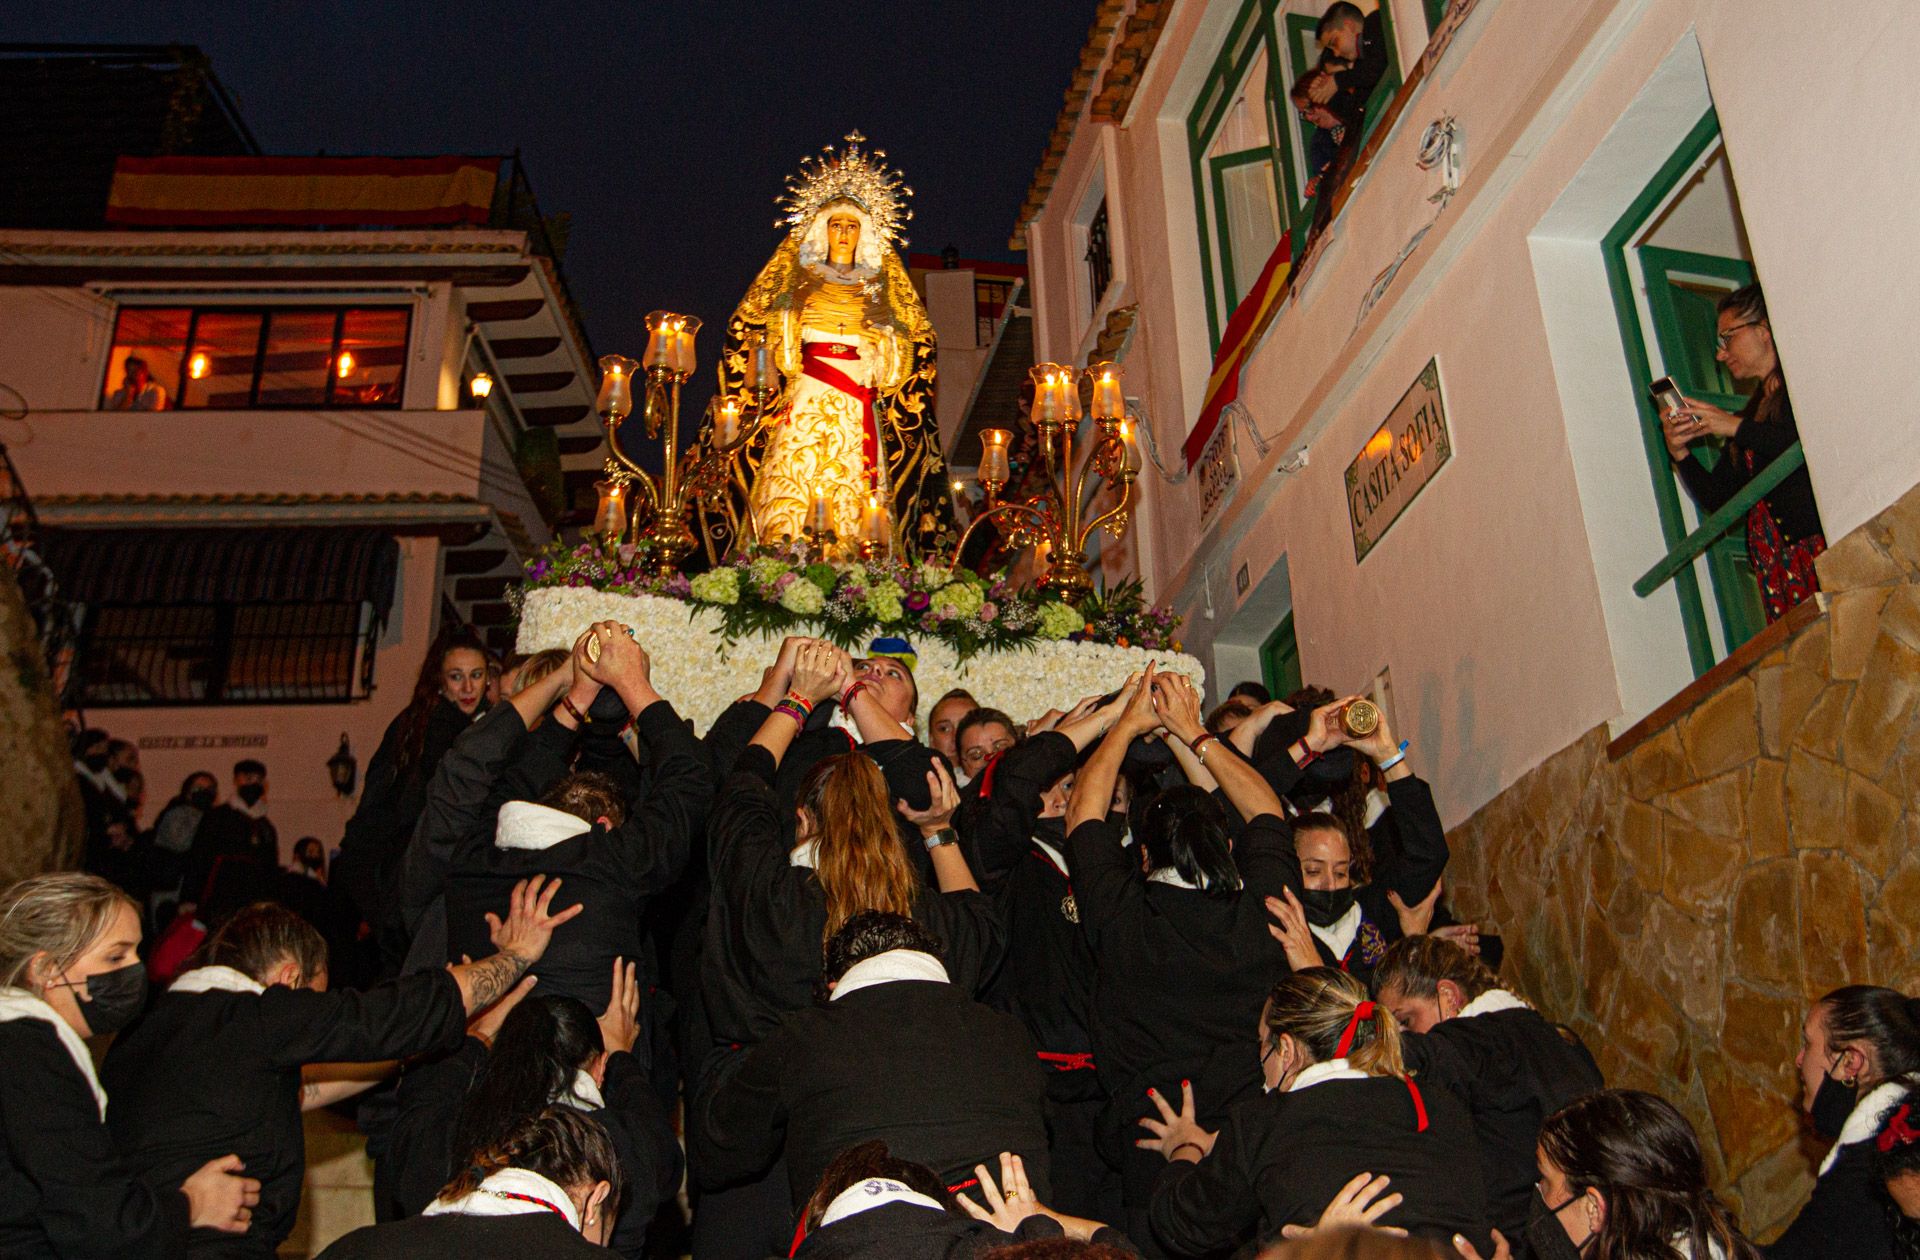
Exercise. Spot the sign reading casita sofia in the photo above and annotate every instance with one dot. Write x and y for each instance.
(1398, 461)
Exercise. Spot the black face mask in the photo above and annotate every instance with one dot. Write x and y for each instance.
(1832, 1104)
(1326, 906)
(95, 762)
(1547, 1237)
(201, 798)
(124, 773)
(251, 793)
(114, 997)
(1052, 830)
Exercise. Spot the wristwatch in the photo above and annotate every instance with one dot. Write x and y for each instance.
(944, 836)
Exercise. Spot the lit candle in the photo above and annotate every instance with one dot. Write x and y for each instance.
(199, 365)
(875, 527)
(616, 393)
(1128, 448)
(1108, 402)
(659, 342)
(994, 468)
(1046, 393)
(346, 364)
(1069, 395)
(610, 518)
(726, 422)
(819, 513)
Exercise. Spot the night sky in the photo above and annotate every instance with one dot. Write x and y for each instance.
(666, 130)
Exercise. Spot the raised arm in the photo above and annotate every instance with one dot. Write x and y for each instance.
(1093, 786)
(950, 869)
(1178, 705)
(1422, 853)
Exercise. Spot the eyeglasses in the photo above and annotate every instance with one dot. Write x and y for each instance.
(1722, 340)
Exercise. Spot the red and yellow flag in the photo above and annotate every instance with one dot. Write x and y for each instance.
(1249, 320)
(302, 191)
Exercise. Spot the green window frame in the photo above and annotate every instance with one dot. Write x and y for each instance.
(1436, 11)
(1683, 331)
(1280, 660)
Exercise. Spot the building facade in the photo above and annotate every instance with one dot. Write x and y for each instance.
(283, 420)
(1441, 479)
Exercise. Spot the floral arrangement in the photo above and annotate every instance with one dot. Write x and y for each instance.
(779, 590)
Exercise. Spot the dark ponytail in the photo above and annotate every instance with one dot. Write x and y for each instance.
(1185, 828)
(565, 1146)
(542, 1043)
(1886, 1019)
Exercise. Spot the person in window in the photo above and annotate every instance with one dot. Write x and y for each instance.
(1784, 534)
(138, 390)
(70, 970)
(1356, 43)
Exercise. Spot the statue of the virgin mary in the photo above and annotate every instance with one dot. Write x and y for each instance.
(852, 425)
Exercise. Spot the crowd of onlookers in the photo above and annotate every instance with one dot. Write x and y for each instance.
(1128, 977)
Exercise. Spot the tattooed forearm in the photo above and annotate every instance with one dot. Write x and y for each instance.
(487, 981)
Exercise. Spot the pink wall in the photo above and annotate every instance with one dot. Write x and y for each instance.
(298, 739)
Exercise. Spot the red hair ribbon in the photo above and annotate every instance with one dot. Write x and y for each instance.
(1360, 1012)
(1898, 1132)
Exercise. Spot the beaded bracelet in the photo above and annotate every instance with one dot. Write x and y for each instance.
(573, 710)
(1201, 742)
(793, 711)
(806, 705)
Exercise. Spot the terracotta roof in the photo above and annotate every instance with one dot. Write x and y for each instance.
(1131, 43)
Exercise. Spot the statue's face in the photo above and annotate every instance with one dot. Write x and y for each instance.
(843, 238)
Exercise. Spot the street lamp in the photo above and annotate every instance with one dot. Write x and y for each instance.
(343, 769)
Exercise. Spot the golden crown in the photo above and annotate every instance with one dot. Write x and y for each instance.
(853, 174)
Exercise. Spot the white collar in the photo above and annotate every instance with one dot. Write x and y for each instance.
(102, 779)
(1319, 1073)
(215, 979)
(1378, 803)
(1339, 934)
(895, 964)
(1171, 876)
(491, 1199)
(805, 856)
(843, 720)
(1864, 1120)
(584, 1094)
(525, 825)
(256, 810)
(1059, 858)
(20, 1004)
(864, 1196)
(1493, 1000)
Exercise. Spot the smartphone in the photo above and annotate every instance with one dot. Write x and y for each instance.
(1666, 395)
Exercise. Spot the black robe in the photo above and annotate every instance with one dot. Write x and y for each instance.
(421, 1152)
(65, 1190)
(767, 918)
(612, 872)
(1511, 1069)
(911, 1231)
(1280, 1159)
(530, 1236)
(920, 1065)
(214, 1073)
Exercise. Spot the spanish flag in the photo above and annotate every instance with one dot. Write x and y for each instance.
(1249, 321)
(302, 191)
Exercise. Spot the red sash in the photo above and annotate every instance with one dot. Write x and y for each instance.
(814, 356)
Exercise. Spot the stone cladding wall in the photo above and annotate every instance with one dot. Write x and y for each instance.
(1679, 903)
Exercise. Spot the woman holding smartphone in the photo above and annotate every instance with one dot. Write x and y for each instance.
(1784, 534)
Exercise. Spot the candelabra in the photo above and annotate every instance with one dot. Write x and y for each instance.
(1056, 517)
(689, 477)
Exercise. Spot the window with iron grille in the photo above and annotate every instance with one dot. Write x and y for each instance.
(230, 358)
(207, 654)
(1099, 256)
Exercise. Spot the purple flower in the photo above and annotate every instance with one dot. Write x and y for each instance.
(785, 580)
(540, 569)
(679, 586)
(918, 601)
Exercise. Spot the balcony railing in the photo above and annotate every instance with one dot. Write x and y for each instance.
(1729, 515)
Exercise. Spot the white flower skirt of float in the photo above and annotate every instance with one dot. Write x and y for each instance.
(695, 668)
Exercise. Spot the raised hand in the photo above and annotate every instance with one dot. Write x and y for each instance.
(1138, 717)
(1465, 935)
(1291, 930)
(1501, 1251)
(1357, 1205)
(1175, 1131)
(620, 1022)
(1415, 919)
(529, 926)
(1178, 704)
(1324, 730)
(817, 670)
(944, 799)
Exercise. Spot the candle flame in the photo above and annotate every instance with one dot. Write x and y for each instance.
(198, 366)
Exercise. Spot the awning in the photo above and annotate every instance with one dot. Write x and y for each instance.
(305, 564)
